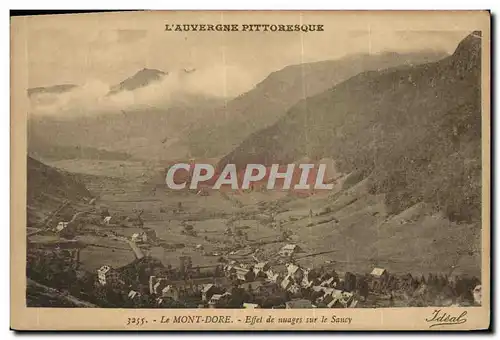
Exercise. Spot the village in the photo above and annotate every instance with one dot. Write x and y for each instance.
(243, 273)
(132, 241)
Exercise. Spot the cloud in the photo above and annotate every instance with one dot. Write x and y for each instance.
(92, 97)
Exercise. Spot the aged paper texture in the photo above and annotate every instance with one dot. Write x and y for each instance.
(214, 170)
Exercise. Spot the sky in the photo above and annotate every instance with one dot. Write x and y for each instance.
(96, 53)
(66, 56)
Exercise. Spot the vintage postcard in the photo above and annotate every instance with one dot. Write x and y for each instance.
(296, 170)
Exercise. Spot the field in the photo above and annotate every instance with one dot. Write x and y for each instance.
(347, 229)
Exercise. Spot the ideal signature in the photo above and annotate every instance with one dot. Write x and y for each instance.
(440, 318)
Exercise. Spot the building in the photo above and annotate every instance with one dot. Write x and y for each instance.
(286, 283)
(295, 272)
(171, 292)
(106, 275)
(219, 300)
(107, 220)
(136, 237)
(337, 299)
(229, 270)
(379, 278)
(244, 274)
(61, 226)
(149, 235)
(328, 283)
(156, 284)
(262, 267)
(379, 273)
(252, 286)
(207, 291)
(271, 276)
(289, 250)
(159, 285)
(307, 283)
(133, 295)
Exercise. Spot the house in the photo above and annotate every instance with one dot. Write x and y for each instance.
(379, 278)
(106, 275)
(61, 226)
(152, 281)
(271, 276)
(337, 299)
(136, 237)
(306, 283)
(317, 289)
(262, 267)
(332, 298)
(296, 272)
(286, 283)
(207, 291)
(327, 283)
(171, 292)
(107, 220)
(159, 285)
(300, 303)
(294, 288)
(268, 288)
(250, 305)
(219, 300)
(244, 274)
(379, 273)
(133, 295)
(229, 270)
(289, 250)
(149, 235)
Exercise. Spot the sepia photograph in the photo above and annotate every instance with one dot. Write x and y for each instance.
(208, 169)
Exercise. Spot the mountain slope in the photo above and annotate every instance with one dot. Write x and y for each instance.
(48, 188)
(142, 78)
(416, 130)
(271, 98)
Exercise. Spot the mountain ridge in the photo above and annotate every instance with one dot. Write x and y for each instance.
(280, 90)
(382, 123)
(140, 79)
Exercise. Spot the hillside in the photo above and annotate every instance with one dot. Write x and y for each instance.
(48, 188)
(270, 99)
(416, 130)
(151, 133)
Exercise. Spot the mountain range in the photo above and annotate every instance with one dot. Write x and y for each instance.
(415, 131)
(183, 128)
(277, 93)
